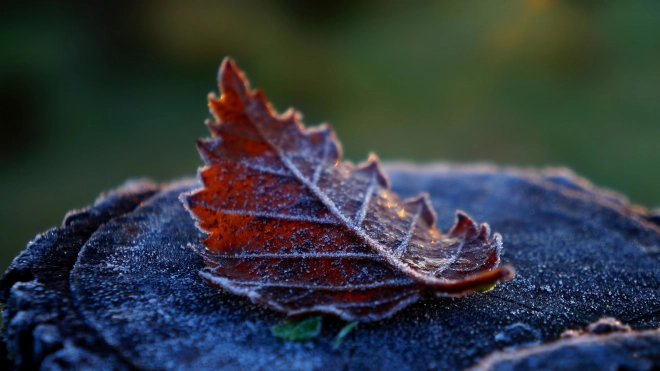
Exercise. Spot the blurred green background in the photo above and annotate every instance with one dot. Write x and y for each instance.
(92, 94)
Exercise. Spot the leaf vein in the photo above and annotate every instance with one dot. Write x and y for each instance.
(365, 202)
(319, 166)
(270, 215)
(406, 240)
(374, 285)
(301, 256)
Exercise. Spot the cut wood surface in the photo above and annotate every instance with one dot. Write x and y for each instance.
(117, 286)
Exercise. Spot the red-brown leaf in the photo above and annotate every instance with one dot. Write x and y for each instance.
(296, 229)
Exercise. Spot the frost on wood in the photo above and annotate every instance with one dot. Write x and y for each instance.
(294, 228)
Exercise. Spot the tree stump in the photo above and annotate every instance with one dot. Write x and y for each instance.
(117, 287)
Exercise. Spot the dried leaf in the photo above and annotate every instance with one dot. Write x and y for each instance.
(296, 229)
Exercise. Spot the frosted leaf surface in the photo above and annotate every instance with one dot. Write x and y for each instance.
(294, 228)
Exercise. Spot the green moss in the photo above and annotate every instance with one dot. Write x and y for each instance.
(298, 329)
(486, 288)
(342, 334)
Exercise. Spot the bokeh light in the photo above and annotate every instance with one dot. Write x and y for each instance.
(92, 94)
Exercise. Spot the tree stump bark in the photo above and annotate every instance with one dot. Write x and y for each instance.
(116, 287)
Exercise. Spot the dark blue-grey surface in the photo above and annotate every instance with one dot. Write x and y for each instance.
(580, 253)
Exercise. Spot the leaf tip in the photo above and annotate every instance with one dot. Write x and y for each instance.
(484, 232)
(372, 167)
(464, 226)
(207, 149)
(426, 213)
(227, 68)
(324, 136)
(233, 85)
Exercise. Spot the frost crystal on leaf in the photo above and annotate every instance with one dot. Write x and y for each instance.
(294, 228)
